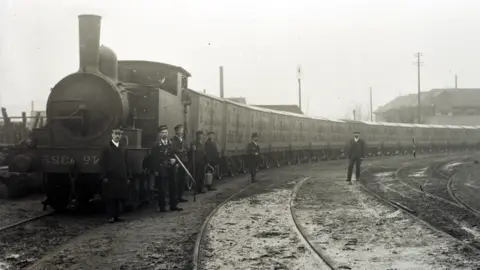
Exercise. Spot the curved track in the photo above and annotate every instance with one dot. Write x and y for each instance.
(16, 224)
(413, 214)
(300, 232)
(420, 190)
(461, 203)
(409, 212)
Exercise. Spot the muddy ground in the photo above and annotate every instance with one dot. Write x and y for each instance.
(372, 235)
(466, 186)
(257, 232)
(15, 210)
(147, 240)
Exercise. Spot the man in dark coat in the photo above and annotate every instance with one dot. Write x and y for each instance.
(180, 149)
(199, 160)
(211, 152)
(115, 176)
(163, 163)
(356, 153)
(253, 156)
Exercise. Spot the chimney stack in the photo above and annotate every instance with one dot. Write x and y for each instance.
(221, 82)
(89, 41)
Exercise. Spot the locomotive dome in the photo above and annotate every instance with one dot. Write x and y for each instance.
(88, 103)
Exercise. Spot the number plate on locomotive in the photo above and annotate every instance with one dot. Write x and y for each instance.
(68, 160)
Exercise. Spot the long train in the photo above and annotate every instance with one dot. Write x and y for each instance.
(84, 106)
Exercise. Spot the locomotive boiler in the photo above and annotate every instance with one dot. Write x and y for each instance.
(82, 109)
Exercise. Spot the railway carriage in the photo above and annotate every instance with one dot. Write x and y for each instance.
(84, 106)
(375, 134)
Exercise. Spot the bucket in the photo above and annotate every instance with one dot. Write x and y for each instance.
(208, 179)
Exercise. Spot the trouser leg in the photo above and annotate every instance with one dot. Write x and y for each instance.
(358, 162)
(351, 162)
(172, 190)
(113, 208)
(253, 171)
(180, 182)
(159, 182)
(200, 176)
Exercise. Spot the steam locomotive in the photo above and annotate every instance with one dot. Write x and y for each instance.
(83, 107)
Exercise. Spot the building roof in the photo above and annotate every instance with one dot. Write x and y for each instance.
(284, 108)
(460, 97)
(238, 99)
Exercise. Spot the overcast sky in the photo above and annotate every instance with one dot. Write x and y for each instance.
(343, 47)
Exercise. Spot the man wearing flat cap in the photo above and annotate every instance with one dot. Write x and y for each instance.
(115, 175)
(163, 168)
(199, 161)
(356, 153)
(211, 151)
(253, 156)
(180, 149)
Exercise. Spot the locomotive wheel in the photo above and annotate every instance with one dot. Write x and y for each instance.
(58, 191)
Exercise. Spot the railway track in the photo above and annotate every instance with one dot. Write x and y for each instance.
(22, 222)
(415, 215)
(450, 185)
(412, 214)
(197, 258)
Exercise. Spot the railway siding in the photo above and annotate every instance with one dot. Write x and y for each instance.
(359, 232)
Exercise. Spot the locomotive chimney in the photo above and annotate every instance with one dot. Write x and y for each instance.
(89, 41)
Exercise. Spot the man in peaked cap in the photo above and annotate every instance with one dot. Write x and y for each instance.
(115, 175)
(356, 153)
(180, 149)
(163, 168)
(199, 161)
(253, 156)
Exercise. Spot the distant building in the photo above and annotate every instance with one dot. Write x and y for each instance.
(449, 106)
(238, 100)
(284, 108)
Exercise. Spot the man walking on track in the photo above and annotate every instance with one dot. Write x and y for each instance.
(253, 156)
(115, 176)
(356, 153)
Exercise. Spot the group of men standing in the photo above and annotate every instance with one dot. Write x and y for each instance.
(174, 163)
(170, 162)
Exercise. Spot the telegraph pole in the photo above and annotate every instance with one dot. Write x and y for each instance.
(418, 55)
(371, 106)
(456, 85)
(299, 73)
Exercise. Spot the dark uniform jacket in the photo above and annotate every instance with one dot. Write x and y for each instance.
(356, 149)
(198, 156)
(160, 158)
(179, 148)
(253, 153)
(115, 169)
(211, 151)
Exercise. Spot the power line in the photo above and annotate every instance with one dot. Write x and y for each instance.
(418, 63)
